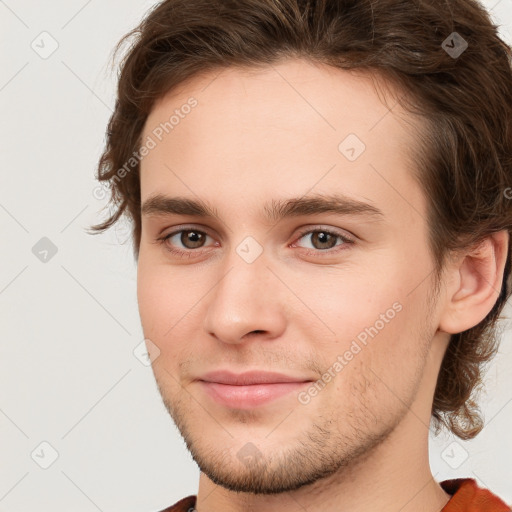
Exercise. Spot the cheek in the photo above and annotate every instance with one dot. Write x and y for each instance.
(158, 296)
(376, 370)
(343, 302)
(393, 353)
(170, 302)
(353, 313)
(149, 295)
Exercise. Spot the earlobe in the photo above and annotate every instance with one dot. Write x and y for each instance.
(474, 284)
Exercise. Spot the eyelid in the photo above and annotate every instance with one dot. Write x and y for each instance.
(187, 227)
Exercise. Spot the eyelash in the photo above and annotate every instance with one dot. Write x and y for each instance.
(316, 252)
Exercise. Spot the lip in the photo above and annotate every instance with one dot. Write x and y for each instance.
(249, 389)
(250, 378)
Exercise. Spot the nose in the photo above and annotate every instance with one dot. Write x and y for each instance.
(248, 300)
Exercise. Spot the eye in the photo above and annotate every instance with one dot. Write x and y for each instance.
(323, 240)
(190, 242)
(190, 238)
(184, 241)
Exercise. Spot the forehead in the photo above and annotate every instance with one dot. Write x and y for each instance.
(326, 97)
(291, 127)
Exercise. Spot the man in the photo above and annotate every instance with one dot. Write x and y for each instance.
(321, 222)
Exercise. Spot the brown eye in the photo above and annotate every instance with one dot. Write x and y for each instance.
(323, 239)
(192, 239)
(185, 240)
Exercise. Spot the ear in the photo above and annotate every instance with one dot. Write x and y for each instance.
(474, 282)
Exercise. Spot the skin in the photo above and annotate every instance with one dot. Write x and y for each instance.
(360, 444)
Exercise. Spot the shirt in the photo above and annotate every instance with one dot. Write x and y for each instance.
(466, 497)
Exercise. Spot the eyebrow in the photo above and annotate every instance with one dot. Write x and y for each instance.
(275, 210)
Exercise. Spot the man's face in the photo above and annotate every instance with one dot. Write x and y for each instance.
(312, 294)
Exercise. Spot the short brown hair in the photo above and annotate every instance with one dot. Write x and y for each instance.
(464, 152)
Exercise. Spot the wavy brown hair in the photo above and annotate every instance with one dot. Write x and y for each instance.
(463, 158)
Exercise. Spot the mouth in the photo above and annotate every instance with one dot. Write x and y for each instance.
(249, 389)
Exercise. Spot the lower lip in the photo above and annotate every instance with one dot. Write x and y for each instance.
(245, 397)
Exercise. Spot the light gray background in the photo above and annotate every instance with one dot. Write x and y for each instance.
(69, 326)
